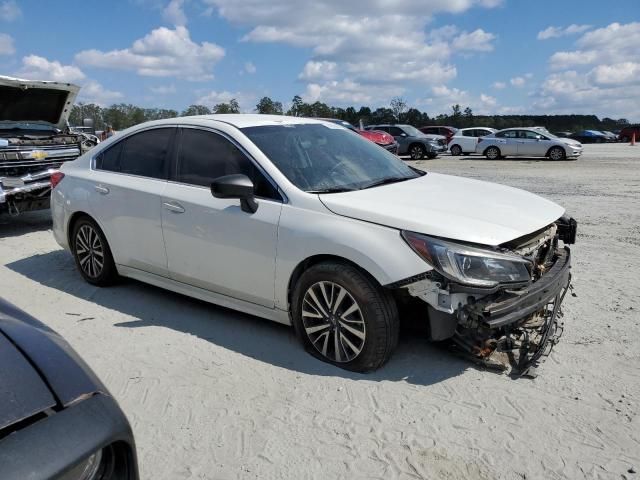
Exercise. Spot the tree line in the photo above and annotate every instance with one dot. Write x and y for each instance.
(122, 115)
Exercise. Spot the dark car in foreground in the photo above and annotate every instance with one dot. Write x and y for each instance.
(57, 420)
(413, 142)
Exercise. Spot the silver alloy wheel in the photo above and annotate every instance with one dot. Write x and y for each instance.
(333, 321)
(492, 153)
(417, 152)
(456, 150)
(556, 153)
(90, 251)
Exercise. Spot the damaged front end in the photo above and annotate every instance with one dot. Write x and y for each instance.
(501, 306)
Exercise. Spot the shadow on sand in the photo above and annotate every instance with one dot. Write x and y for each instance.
(415, 361)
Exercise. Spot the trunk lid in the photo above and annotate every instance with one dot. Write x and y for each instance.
(450, 207)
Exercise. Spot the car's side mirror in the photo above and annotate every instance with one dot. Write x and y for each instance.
(236, 186)
(538, 137)
(403, 134)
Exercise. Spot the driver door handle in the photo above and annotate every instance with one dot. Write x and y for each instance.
(174, 207)
(101, 189)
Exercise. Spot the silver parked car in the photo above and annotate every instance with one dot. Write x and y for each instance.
(527, 142)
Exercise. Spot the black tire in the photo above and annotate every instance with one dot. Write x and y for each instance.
(557, 153)
(377, 316)
(416, 151)
(431, 156)
(492, 153)
(87, 233)
(456, 150)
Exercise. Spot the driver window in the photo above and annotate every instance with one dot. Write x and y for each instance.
(395, 131)
(205, 156)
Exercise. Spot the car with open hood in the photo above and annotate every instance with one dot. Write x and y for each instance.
(302, 222)
(57, 420)
(34, 140)
(527, 142)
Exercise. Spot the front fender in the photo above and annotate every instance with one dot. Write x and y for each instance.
(377, 249)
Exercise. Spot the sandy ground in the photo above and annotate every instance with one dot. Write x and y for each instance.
(211, 393)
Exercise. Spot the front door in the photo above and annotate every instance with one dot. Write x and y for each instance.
(532, 144)
(126, 193)
(210, 242)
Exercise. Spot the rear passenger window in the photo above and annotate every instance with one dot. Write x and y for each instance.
(145, 153)
(110, 158)
(205, 156)
(469, 133)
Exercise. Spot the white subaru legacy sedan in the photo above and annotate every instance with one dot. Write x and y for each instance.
(303, 222)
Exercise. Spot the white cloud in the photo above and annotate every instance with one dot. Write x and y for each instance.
(174, 13)
(556, 32)
(518, 81)
(488, 101)
(9, 11)
(250, 68)
(601, 76)
(499, 85)
(476, 41)
(443, 98)
(163, 89)
(384, 45)
(164, 52)
(349, 91)
(94, 92)
(6, 44)
(35, 67)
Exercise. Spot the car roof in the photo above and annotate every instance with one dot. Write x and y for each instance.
(238, 120)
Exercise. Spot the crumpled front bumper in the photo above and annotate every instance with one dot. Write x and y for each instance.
(28, 192)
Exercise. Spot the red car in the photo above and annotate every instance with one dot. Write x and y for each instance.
(448, 132)
(626, 134)
(381, 138)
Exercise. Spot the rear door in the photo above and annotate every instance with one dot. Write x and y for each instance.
(211, 242)
(129, 181)
(507, 142)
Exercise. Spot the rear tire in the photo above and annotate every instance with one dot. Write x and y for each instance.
(492, 153)
(343, 317)
(92, 253)
(456, 150)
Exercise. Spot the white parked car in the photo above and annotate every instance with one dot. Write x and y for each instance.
(528, 142)
(300, 221)
(465, 140)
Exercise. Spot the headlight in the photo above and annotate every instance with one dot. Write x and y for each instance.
(469, 265)
(86, 470)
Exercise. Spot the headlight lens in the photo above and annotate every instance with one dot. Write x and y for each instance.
(86, 470)
(469, 265)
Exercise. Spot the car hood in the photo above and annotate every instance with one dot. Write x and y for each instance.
(450, 207)
(570, 141)
(377, 136)
(36, 101)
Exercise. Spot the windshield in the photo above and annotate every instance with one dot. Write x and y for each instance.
(323, 159)
(412, 131)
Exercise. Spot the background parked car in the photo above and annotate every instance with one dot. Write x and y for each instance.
(57, 420)
(590, 136)
(466, 139)
(611, 137)
(563, 134)
(379, 137)
(447, 132)
(413, 142)
(626, 134)
(527, 142)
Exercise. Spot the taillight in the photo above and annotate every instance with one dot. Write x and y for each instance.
(56, 178)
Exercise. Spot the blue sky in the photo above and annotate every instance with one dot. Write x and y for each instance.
(496, 56)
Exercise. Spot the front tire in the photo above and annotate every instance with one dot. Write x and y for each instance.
(557, 153)
(456, 150)
(343, 317)
(417, 152)
(92, 253)
(492, 153)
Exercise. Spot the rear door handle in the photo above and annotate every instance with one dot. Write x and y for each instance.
(174, 207)
(101, 189)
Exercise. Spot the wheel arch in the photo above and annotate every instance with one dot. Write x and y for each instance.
(484, 152)
(556, 146)
(315, 260)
